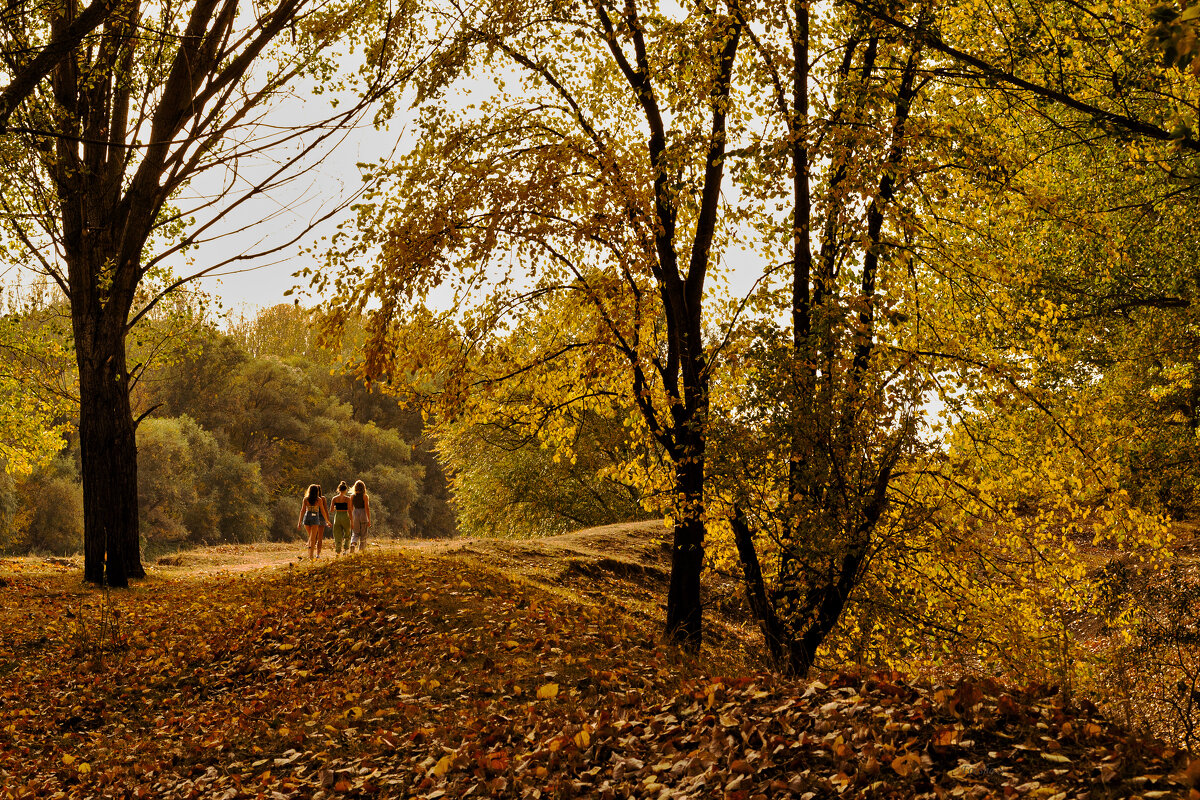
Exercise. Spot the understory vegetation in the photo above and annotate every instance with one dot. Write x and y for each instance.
(235, 425)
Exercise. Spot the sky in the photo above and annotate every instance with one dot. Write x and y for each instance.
(269, 220)
(251, 285)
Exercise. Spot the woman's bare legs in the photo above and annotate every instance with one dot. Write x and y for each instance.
(315, 534)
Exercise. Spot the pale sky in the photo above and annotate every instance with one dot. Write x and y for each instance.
(284, 214)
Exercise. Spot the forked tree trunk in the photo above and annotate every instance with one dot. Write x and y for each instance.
(108, 454)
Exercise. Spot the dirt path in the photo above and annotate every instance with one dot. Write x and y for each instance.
(624, 566)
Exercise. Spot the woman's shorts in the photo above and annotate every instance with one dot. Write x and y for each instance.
(312, 518)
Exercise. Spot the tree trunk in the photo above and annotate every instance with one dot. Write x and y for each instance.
(687, 553)
(108, 453)
(756, 589)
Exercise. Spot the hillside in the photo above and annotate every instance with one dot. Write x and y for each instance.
(486, 669)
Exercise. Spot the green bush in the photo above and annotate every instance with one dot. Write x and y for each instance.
(43, 512)
(55, 517)
(166, 481)
(285, 510)
(8, 511)
(392, 492)
(193, 489)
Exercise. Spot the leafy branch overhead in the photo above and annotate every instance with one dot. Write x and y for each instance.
(903, 187)
(1174, 34)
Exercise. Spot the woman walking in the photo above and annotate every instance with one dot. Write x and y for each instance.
(313, 518)
(341, 520)
(361, 517)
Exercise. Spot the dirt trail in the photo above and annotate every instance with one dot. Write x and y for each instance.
(624, 566)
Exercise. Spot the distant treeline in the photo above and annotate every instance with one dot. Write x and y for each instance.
(236, 423)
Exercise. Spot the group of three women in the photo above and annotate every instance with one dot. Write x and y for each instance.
(351, 518)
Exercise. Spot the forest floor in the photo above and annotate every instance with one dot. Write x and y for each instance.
(472, 668)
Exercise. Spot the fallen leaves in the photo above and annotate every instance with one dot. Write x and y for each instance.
(424, 679)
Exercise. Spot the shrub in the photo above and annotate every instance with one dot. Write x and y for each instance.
(55, 517)
(191, 488)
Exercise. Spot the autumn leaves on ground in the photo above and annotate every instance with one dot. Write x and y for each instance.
(487, 669)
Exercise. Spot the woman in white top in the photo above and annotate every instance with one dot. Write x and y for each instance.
(360, 516)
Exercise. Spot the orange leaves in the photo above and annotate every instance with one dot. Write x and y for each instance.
(495, 761)
(432, 706)
(906, 764)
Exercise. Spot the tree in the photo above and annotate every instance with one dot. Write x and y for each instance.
(847, 132)
(534, 465)
(603, 180)
(293, 415)
(830, 411)
(1090, 62)
(194, 490)
(31, 422)
(283, 330)
(160, 94)
(30, 50)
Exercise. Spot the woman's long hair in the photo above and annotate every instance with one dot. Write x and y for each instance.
(360, 494)
(314, 493)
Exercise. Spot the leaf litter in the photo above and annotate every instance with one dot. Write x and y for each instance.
(422, 676)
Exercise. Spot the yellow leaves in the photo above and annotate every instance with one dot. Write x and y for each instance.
(583, 738)
(440, 769)
(547, 691)
(711, 694)
(947, 737)
(68, 759)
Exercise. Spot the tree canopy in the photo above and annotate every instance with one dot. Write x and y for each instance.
(912, 185)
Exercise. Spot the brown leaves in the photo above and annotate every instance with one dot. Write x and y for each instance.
(434, 680)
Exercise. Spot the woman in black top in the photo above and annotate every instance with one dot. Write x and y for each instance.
(341, 520)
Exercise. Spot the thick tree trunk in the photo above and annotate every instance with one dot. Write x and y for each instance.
(108, 450)
(687, 556)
